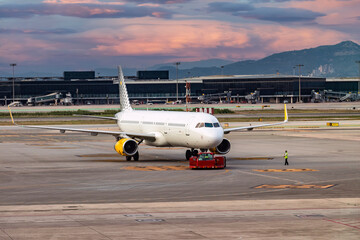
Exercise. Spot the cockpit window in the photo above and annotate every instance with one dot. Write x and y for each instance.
(209, 125)
(200, 125)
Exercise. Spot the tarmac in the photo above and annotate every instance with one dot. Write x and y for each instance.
(75, 186)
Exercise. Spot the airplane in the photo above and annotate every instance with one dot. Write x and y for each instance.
(191, 130)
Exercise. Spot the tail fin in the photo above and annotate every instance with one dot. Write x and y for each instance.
(124, 98)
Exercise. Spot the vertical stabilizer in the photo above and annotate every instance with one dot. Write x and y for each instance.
(124, 98)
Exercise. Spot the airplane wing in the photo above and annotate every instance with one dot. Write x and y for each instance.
(150, 137)
(249, 128)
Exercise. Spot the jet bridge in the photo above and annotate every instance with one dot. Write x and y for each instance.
(49, 98)
(216, 96)
(253, 97)
(340, 96)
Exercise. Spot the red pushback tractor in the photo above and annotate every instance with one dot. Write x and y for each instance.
(207, 160)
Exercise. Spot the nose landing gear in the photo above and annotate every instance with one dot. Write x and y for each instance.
(190, 153)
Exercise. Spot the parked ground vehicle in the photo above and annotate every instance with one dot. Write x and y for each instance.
(207, 160)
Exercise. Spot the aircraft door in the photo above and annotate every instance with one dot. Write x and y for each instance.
(187, 130)
(187, 134)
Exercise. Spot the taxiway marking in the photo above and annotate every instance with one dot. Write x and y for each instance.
(353, 223)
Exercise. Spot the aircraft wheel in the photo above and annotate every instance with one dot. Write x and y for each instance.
(188, 154)
(203, 150)
(128, 158)
(136, 156)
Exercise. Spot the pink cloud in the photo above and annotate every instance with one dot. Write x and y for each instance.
(153, 3)
(208, 39)
(147, 35)
(337, 12)
(182, 38)
(26, 49)
(282, 38)
(324, 5)
(81, 2)
(149, 5)
(82, 11)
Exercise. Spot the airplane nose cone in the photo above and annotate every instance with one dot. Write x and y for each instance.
(213, 138)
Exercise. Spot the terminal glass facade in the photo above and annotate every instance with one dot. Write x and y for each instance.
(97, 89)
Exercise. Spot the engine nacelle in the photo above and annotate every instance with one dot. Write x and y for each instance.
(222, 148)
(126, 147)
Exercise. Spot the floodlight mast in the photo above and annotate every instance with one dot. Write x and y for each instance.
(177, 82)
(300, 65)
(13, 65)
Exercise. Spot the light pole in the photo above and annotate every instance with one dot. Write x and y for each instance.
(177, 82)
(222, 70)
(299, 65)
(13, 80)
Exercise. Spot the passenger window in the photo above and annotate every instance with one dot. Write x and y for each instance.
(209, 125)
(216, 125)
(201, 125)
(198, 125)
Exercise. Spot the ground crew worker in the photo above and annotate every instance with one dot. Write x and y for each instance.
(286, 158)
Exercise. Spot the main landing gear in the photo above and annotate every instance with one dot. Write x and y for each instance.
(190, 153)
(135, 157)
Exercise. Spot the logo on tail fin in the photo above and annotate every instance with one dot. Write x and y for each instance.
(124, 98)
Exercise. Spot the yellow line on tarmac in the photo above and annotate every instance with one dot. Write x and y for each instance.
(154, 168)
(177, 167)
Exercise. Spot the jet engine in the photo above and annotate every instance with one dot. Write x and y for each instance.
(222, 148)
(126, 147)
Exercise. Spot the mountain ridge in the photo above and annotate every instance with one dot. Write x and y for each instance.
(323, 61)
(336, 60)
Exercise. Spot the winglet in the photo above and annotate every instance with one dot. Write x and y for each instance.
(12, 119)
(285, 114)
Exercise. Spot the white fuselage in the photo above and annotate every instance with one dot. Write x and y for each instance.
(175, 129)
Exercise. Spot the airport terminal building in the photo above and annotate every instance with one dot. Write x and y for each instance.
(84, 87)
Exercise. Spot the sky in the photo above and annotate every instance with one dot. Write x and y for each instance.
(58, 35)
